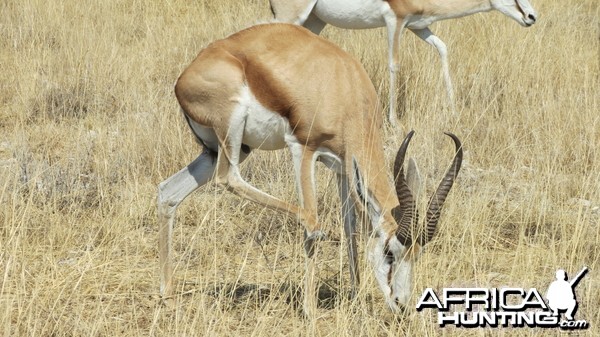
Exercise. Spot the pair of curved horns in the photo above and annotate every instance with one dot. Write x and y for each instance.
(406, 213)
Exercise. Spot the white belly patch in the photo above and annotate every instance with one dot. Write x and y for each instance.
(265, 129)
(352, 14)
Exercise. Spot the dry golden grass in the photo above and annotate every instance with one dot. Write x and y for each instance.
(89, 126)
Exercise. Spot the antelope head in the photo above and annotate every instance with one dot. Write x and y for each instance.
(518, 10)
(399, 235)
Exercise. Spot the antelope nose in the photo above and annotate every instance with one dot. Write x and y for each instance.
(532, 17)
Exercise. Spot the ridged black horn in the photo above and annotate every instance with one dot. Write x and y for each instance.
(406, 213)
(437, 200)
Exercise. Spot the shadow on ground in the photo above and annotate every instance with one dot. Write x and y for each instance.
(290, 292)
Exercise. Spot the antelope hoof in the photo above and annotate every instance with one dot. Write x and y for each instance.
(168, 302)
(315, 235)
(309, 240)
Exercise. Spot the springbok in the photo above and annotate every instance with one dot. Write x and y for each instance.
(254, 90)
(395, 15)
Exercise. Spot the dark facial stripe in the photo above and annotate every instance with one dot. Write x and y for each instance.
(389, 256)
(519, 8)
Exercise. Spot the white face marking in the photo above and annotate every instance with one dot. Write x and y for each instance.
(265, 129)
(352, 14)
(392, 271)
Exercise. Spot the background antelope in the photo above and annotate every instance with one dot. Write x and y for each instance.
(396, 15)
(254, 90)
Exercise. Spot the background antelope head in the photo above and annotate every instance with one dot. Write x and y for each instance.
(518, 10)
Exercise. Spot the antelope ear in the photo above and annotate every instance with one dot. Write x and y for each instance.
(366, 197)
(413, 178)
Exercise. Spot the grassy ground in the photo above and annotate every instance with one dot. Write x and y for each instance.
(89, 126)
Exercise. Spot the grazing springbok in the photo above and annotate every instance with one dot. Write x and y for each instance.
(255, 90)
(395, 15)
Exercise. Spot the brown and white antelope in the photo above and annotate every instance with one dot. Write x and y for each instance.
(395, 15)
(255, 90)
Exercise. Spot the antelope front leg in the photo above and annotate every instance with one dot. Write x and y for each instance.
(349, 215)
(304, 168)
(426, 35)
